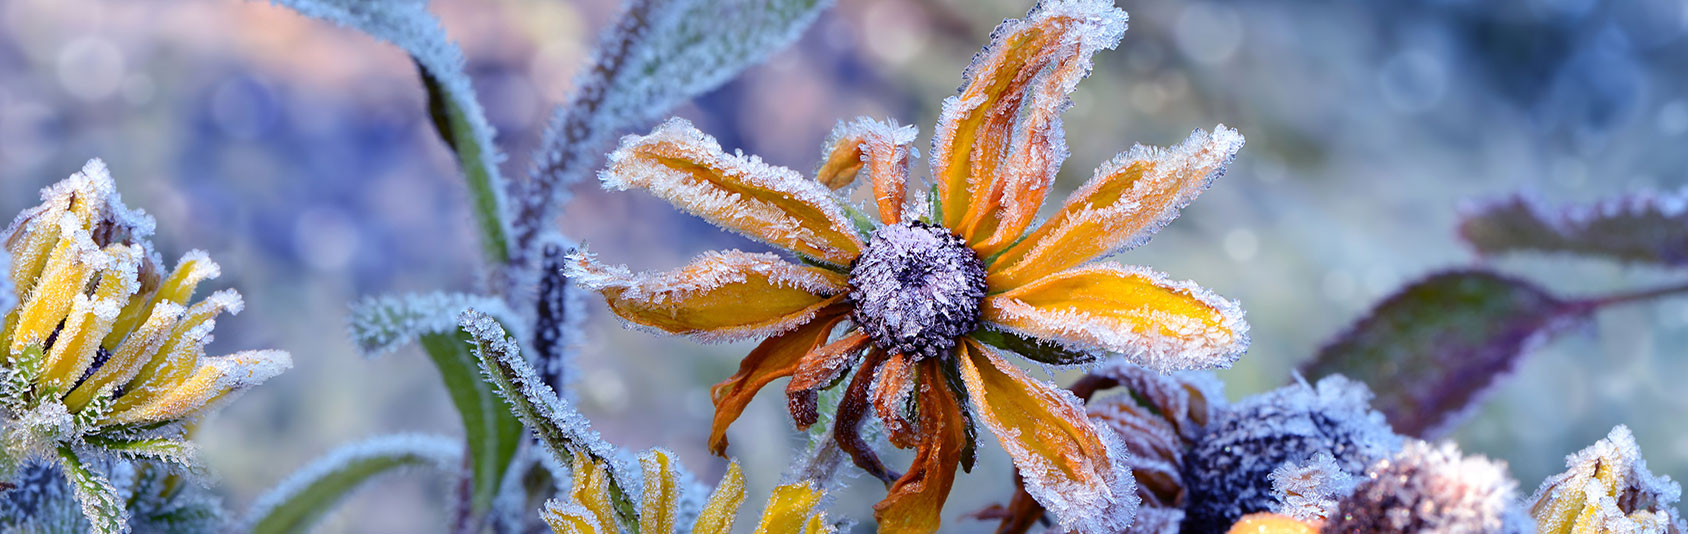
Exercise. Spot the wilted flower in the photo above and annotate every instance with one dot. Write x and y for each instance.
(1607, 489)
(1157, 420)
(104, 351)
(1229, 472)
(924, 297)
(591, 504)
(1309, 490)
(1430, 489)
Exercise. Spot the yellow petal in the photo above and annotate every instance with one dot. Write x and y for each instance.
(660, 507)
(71, 264)
(999, 143)
(91, 317)
(213, 380)
(1265, 523)
(180, 353)
(194, 267)
(720, 296)
(718, 514)
(31, 239)
(126, 360)
(571, 518)
(1062, 458)
(915, 502)
(884, 149)
(1127, 201)
(775, 358)
(740, 193)
(590, 492)
(1159, 324)
(791, 507)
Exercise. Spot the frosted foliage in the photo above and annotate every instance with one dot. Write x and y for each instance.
(1637, 227)
(408, 25)
(661, 53)
(1431, 489)
(1228, 472)
(383, 324)
(916, 289)
(437, 453)
(1607, 489)
(1160, 418)
(1309, 490)
(41, 502)
(558, 425)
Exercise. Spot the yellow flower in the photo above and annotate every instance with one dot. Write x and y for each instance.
(590, 508)
(924, 295)
(1607, 489)
(104, 347)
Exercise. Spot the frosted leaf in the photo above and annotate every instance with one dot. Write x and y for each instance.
(100, 501)
(42, 501)
(308, 494)
(1431, 489)
(1228, 472)
(159, 502)
(659, 53)
(1153, 321)
(385, 323)
(1639, 227)
(408, 25)
(1608, 489)
(738, 192)
(1309, 490)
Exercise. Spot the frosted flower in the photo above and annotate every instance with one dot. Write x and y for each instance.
(1607, 489)
(591, 504)
(1229, 472)
(1160, 418)
(1309, 490)
(104, 352)
(924, 289)
(1268, 523)
(1430, 489)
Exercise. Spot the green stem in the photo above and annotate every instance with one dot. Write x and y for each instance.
(1637, 296)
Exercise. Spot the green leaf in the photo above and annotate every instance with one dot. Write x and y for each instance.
(99, 500)
(1036, 350)
(385, 323)
(1642, 227)
(479, 161)
(297, 504)
(493, 433)
(166, 449)
(1434, 348)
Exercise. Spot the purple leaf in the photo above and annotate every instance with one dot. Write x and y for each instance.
(1430, 351)
(1640, 227)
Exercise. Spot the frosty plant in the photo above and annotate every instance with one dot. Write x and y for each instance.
(105, 349)
(926, 296)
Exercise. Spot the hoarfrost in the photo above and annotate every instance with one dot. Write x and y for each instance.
(1228, 472)
(407, 451)
(385, 323)
(560, 308)
(1608, 487)
(1431, 489)
(1637, 227)
(1309, 490)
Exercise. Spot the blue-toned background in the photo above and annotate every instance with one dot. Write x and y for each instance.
(299, 156)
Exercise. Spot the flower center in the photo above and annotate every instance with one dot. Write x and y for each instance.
(916, 289)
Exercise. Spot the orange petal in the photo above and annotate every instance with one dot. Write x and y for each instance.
(720, 296)
(819, 369)
(1157, 323)
(916, 501)
(852, 410)
(891, 394)
(884, 148)
(1066, 465)
(1126, 202)
(999, 142)
(1265, 523)
(740, 193)
(775, 358)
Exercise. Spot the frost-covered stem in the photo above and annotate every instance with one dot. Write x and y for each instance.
(574, 132)
(462, 520)
(1635, 296)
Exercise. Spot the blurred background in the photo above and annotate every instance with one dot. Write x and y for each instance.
(298, 154)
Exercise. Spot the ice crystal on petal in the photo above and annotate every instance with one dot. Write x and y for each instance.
(1309, 490)
(1430, 489)
(1156, 421)
(1607, 489)
(385, 323)
(1228, 473)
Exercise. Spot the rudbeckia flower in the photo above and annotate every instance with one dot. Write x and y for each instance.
(591, 505)
(920, 302)
(105, 350)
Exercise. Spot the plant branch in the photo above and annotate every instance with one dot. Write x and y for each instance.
(1635, 296)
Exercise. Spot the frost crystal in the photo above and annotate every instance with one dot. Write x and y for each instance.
(558, 312)
(1607, 489)
(382, 454)
(1430, 489)
(1228, 473)
(1309, 490)
(385, 323)
(1156, 422)
(916, 288)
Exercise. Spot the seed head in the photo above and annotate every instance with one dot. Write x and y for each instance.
(916, 289)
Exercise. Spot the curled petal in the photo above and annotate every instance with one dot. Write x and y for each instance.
(775, 358)
(819, 369)
(589, 493)
(916, 500)
(130, 355)
(891, 395)
(215, 379)
(720, 296)
(884, 148)
(571, 518)
(1128, 200)
(846, 427)
(1157, 323)
(999, 143)
(1067, 465)
(179, 356)
(741, 193)
(718, 514)
(659, 508)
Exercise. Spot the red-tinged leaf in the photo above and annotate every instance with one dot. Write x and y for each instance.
(1642, 227)
(1434, 348)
